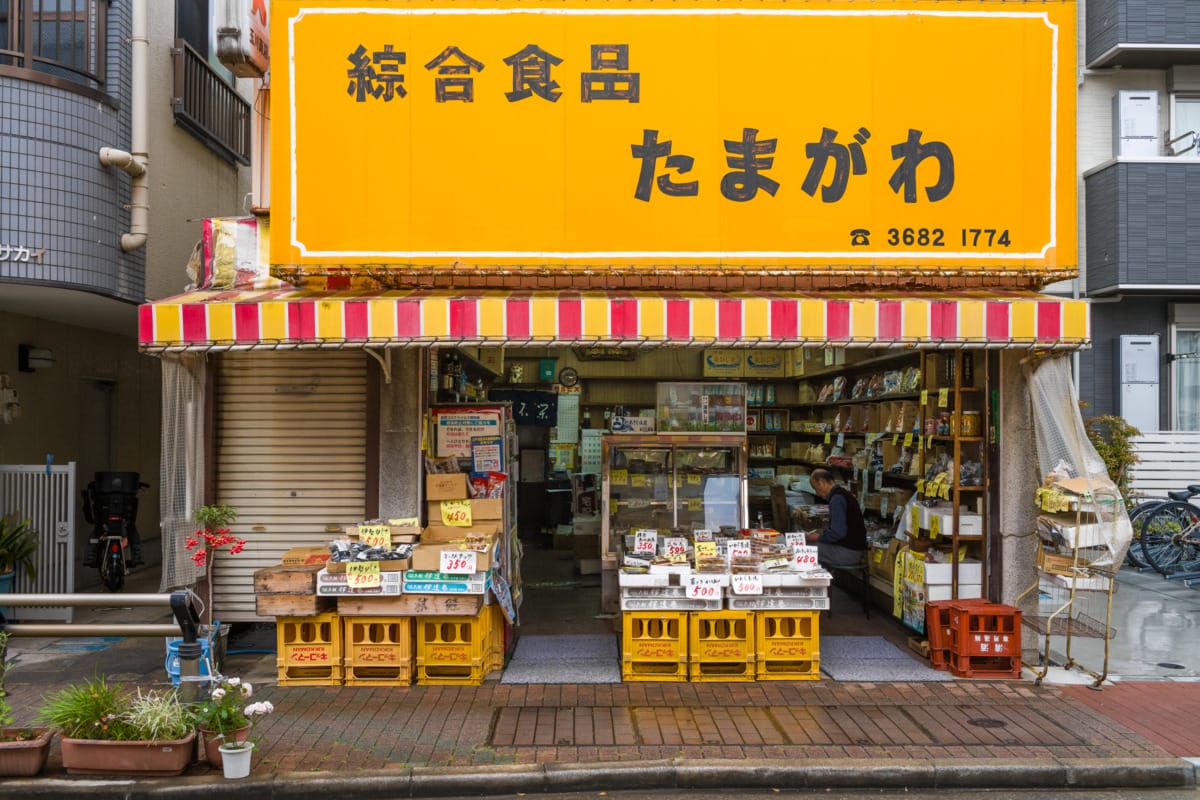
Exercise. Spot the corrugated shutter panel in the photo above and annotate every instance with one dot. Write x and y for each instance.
(290, 456)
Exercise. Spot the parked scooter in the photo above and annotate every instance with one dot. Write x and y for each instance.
(110, 506)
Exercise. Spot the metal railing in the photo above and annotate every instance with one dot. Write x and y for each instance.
(208, 107)
(181, 604)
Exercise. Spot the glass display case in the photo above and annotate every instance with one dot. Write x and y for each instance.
(716, 407)
(670, 482)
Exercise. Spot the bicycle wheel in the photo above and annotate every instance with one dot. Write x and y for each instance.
(1137, 519)
(1164, 536)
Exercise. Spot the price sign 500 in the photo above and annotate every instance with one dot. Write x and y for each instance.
(704, 587)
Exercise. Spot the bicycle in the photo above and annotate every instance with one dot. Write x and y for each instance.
(1137, 520)
(1170, 536)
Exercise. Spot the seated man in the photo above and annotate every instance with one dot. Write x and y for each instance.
(844, 542)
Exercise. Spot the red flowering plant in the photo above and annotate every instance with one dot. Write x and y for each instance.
(214, 535)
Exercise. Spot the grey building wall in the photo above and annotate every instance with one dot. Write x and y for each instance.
(1112, 22)
(54, 193)
(1143, 224)
(1098, 366)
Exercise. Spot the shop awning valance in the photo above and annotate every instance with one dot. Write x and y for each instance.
(303, 318)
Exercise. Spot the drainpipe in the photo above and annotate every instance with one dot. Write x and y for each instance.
(135, 162)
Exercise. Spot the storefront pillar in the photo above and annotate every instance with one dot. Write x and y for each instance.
(400, 467)
(1018, 477)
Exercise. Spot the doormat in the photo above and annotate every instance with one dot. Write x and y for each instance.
(873, 659)
(564, 659)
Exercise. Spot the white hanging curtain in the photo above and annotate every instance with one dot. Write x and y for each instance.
(1063, 449)
(184, 377)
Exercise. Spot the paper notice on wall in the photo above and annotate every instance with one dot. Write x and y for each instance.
(568, 419)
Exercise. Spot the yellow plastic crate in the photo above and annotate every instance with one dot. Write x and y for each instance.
(454, 650)
(721, 646)
(787, 645)
(497, 639)
(309, 650)
(654, 646)
(378, 651)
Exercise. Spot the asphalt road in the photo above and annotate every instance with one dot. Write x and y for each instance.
(858, 794)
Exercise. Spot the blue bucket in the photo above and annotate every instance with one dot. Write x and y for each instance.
(172, 663)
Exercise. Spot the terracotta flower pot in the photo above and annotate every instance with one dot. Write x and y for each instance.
(157, 758)
(24, 757)
(213, 741)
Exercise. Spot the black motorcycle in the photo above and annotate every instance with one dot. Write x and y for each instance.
(110, 505)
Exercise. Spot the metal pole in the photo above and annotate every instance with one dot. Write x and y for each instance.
(72, 629)
(101, 600)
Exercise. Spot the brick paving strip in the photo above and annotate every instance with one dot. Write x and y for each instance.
(336, 730)
(1165, 712)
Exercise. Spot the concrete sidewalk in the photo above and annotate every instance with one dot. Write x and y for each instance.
(502, 739)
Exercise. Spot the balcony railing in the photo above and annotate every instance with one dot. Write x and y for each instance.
(207, 106)
(1142, 34)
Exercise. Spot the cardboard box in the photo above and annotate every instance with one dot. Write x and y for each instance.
(428, 557)
(881, 561)
(448, 486)
(446, 534)
(1055, 563)
(943, 591)
(794, 362)
(492, 358)
(302, 556)
(389, 565)
(969, 571)
(401, 534)
(723, 363)
(763, 364)
(485, 509)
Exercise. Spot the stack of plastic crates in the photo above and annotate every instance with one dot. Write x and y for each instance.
(455, 650)
(654, 646)
(378, 651)
(974, 638)
(721, 646)
(309, 650)
(788, 645)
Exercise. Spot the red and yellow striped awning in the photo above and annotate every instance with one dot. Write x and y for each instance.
(218, 320)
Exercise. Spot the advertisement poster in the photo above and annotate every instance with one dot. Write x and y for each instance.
(456, 429)
(486, 454)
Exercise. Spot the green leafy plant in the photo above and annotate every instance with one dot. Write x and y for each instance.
(228, 709)
(6, 716)
(1113, 438)
(213, 534)
(97, 709)
(18, 543)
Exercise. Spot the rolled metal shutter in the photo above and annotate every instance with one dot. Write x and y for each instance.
(290, 456)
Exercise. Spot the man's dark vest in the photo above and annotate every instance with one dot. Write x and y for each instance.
(856, 528)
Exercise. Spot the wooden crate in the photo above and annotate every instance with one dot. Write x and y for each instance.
(410, 605)
(287, 580)
(293, 605)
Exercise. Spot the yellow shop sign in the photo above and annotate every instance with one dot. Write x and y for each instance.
(835, 134)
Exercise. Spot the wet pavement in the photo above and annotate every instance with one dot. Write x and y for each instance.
(494, 738)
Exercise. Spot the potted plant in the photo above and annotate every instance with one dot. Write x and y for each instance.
(18, 542)
(224, 720)
(213, 535)
(23, 751)
(108, 731)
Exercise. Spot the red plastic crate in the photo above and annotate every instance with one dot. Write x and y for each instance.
(990, 629)
(964, 666)
(939, 629)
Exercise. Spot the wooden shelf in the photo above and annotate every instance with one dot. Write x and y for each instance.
(881, 398)
(866, 364)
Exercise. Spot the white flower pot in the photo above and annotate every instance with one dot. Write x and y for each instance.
(235, 761)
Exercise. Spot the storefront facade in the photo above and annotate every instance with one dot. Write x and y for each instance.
(753, 227)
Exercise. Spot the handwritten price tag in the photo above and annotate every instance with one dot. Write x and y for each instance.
(695, 504)
(693, 479)
(705, 550)
(935, 526)
(363, 575)
(908, 439)
(703, 587)
(943, 398)
(645, 542)
(702, 535)
(924, 396)
(637, 481)
(804, 558)
(457, 513)
(895, 439)
(458, 562)
(675, 546)
(747, 584)
(795, 539)
(739, 549)
(619, 477)
(915, 520)
(376, 536)
(405, 522)
(920, 486)
(828, 438)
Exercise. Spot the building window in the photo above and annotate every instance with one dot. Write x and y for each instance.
(205, 101)
(1185, 125)
(54, 41)
(1185, 363)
